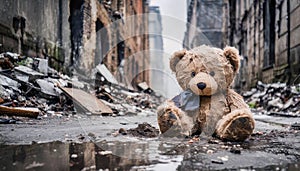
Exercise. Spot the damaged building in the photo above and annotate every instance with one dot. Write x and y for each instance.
(77, 35)
(267, 35)
(204, 23)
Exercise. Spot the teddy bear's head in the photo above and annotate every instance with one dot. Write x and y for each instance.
(205, 70)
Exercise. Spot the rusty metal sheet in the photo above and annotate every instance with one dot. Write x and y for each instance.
(87, 101)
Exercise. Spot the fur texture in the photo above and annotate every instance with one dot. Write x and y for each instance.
(208, 72)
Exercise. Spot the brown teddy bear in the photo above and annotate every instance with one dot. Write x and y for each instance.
(207, 103)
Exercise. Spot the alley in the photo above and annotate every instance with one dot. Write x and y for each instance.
(86, 84)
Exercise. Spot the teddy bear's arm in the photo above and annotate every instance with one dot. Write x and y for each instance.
(235, 101)
(172, 120)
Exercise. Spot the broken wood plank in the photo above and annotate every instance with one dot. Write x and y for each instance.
(19, 111)
(87, 102)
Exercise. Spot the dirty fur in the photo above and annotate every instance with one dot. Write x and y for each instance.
(208, 72)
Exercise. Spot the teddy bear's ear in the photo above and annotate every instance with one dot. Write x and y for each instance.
(176, 57)
(232, 55)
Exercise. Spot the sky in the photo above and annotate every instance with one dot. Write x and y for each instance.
(174, 16)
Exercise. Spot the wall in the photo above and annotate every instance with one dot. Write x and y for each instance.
(77, 35)
(116, 33)
(204, 23)
(36, 28)
(267, 36)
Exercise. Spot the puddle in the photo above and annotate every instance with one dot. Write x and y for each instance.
(155, 154)
(85, 156)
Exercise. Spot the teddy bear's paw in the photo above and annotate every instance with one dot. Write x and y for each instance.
(235, 126)
(169, 124)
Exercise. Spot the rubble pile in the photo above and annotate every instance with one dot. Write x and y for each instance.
(30, 88)
(275, 99)
(127, 102)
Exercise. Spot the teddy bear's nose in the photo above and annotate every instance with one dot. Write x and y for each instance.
(201, 85)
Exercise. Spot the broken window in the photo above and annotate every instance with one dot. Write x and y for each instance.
(76, 25)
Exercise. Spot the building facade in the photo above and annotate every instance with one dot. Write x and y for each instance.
(157, 80)
(267, 34)
(115, 32)
(204, 23)
(77, 35)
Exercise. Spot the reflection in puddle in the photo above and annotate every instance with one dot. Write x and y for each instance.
(150, 155)
(79, 156)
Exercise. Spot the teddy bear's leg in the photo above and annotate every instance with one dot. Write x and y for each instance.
(235, 126)
(169, 120)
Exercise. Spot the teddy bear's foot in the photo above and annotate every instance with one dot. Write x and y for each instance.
(236, 126)
(169, 124)
(168, 121)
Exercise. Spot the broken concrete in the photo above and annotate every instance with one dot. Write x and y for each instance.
(32, 74)
(276, 99)
(87, 102)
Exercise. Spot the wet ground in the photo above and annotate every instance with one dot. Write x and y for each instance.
(86, 142)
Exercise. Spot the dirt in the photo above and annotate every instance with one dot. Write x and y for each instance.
(83, 142)
(144, 130)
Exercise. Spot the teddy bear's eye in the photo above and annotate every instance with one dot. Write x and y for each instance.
(212, 73)
(193, 74)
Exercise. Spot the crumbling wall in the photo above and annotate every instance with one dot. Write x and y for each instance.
(204, 24)
(35, 28)
(121, 41)
(267, 36)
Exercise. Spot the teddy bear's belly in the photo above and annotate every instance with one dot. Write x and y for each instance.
(212, 109)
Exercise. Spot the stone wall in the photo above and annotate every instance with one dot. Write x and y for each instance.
(36, 28)
(77, 35)
(267, 36)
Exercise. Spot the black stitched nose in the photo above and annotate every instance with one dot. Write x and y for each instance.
(201, 85)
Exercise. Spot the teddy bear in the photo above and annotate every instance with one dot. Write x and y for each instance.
(207, 104)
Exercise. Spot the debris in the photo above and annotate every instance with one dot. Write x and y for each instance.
(34, 165)
(295, 126)
(30, 87)
(73, 156)
(86, 101)
(40, 65)
(145, 88)
(19, 111)
(8, 82)
(235, 150)
(32, 74)
(7, 121)
(224, 158)
(48, 89)
(144, 130)
(209, 151)
(122, 131)
(5, 63)
(276, 99)
(105, 74)
(217, 161)
(104, 152)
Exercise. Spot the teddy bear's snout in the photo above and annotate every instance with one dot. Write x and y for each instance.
(201, 85)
